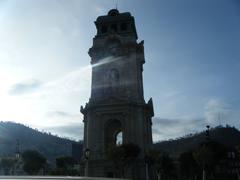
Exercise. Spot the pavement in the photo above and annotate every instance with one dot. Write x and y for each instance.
(54, 178)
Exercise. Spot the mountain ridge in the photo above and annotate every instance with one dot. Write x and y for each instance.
(228, 136)
(51, 146)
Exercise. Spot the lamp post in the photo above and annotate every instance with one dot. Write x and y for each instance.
(207, 133)
(147, 167)
(207, 144)
(87, 155)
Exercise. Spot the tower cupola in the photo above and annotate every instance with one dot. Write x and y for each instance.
(115, 22)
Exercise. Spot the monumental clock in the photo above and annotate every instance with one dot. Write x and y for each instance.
(117, 102)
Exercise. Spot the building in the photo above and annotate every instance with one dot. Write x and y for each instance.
(116, 111)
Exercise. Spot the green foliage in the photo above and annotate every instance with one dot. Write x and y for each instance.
(7, 164)
(188, 165)
(161, 163)
(208, 154)
(238, 151)
(65, 162)
(65, 166)
(204, 156)
(130, 152)
(115, 154)
(122, 156)
(33, 161)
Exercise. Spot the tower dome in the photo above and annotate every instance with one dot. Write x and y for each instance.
(113, 12)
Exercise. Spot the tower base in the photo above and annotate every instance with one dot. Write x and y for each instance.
(103, 168)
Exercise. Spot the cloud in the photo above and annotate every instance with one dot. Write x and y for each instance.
(170, 94)
(64, 124)
(63, 117)
(73, 130)
(58, 114)
(217, 110)
(99, 9)
(164, 129)
(78, 80)
(25, 87)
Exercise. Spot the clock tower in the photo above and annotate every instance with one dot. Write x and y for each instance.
(116, 109)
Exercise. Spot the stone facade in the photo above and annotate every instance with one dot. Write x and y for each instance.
(117, 100)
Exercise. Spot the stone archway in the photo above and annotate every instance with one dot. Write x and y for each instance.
(112, 131)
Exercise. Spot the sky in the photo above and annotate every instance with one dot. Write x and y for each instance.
(192, 69)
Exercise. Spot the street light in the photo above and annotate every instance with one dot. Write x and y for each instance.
(207, 133)
(146, 158)
(87, 155)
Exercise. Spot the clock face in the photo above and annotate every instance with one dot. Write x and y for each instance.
(112, 81)
(112, 77)
(114, 48)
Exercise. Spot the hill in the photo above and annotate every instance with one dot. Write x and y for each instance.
(49, 145)
(228, 136)
(52, 146)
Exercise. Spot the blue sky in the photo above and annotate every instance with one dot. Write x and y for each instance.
(192, 52)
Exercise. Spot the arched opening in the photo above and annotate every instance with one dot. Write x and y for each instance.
(119, 138)
(113, 134)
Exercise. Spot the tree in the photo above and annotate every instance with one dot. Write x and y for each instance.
(65, 166)
(122, 157)
(207, 156)
(7, 164)
(238, 157)
(114, 154)
(161, 163)
(33, 161)
(238, 151)
(188, 166)
(65, 162)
